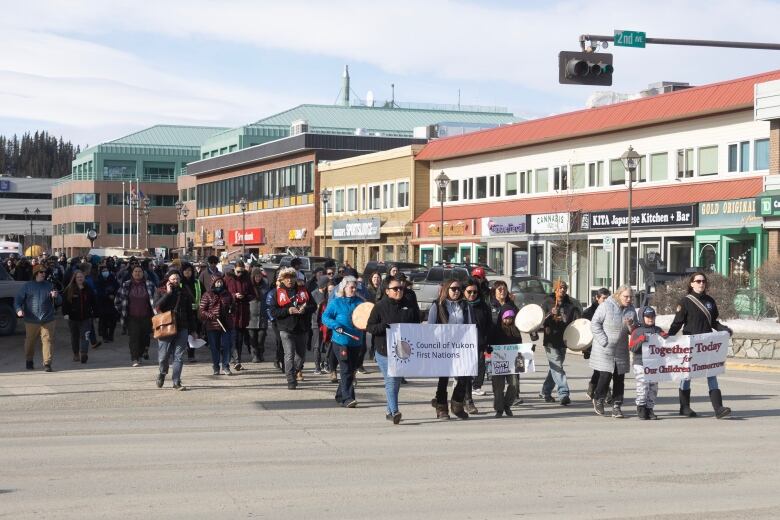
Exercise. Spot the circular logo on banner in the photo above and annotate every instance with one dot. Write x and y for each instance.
(402, 351)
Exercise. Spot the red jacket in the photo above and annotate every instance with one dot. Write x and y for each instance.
(215, 306)
(240, 284)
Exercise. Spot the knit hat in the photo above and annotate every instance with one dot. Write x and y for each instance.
(287, 272)
(37, 269)
(507, 312)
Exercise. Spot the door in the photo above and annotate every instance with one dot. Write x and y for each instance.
(622, 278)
(537, 260)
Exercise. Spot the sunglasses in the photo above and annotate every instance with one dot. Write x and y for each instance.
(470, 292)
(395, 289)
(700, 281)
(329, 273)
(455, 289)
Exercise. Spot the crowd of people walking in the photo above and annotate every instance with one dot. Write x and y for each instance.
(235, 307)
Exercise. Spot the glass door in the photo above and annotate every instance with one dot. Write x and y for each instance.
(645, 249)
(678, 256)
(622, 278)
(600, 268)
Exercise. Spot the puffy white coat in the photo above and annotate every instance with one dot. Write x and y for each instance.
(610, 337)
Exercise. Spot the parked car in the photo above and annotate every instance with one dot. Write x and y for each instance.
(427, 289)
(8, 289)
(308, 263)
(528, 289)
(408, 268)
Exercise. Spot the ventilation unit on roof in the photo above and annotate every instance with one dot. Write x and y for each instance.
(299, 126)
(361, 131)
(425, 132)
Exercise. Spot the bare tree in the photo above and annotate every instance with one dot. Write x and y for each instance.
(769, 282)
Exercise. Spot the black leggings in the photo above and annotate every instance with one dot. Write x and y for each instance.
(458, 393)
(617, 387)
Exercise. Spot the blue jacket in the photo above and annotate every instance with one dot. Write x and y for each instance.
(338, 315)
(35, 300)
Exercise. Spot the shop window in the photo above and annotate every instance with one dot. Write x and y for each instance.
(679, 257)
(578, 176)
(684, 163)
(761, 154)
(519, 262)
(426, 257)
(481, 187)
(560, 178)
(708, 256)
(389, 253)
(659, 166)
(740, 261)
(450, 254)
(541, 180)
(403, 193)
(496, 259)
(511, 184)
(352, 199)
(600, 267)
(708, 160)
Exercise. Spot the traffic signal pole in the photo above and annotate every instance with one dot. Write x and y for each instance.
(674, 41)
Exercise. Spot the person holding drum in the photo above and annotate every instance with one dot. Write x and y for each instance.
(697, 313)
(450, 308)
(347, 339)
(390, 309)
(611, 325)
(559, 312)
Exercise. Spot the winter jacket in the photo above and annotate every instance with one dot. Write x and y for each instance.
(610, 337)
(79, 304)
(385, 312)
(638, 336)
(106, 295)
(692, 320)
(258, 314)
(216, 306)
(495, 309)
(34, 299)
(185, 315)
(243, 285)
(285, 321)
(483, 318)
(439, 312)
(338, 317)
(122, 301)
(554, 325)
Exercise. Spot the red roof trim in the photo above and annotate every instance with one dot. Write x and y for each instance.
(715, 98)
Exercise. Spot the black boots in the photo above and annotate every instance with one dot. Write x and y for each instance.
(717, 404)
(650, 415)
(685, 403)
(598, 406)
(441, 412)
(617, 413)
(641, 412)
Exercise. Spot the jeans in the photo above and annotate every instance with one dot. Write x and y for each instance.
(348, 364)
(257, 342)
(712, 383)
(392, 384)
(294, 345)
(219, 343)
(174, 346)
(618, 385)
(139, 330)
(238, 338)
(556, 376)
(79, 335)
(318, 349)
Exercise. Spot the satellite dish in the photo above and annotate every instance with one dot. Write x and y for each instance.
(370, 98)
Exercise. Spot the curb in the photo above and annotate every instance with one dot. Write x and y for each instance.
(752, 367)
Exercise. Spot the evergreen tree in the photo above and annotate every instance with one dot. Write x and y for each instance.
(39, 155)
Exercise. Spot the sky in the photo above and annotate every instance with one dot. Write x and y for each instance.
(96, 70)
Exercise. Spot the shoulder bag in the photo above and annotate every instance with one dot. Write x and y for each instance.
(164, 323)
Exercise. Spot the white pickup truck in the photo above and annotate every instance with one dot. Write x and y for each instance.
(8, 289)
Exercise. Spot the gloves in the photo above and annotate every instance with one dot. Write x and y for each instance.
(586, 353)
(533, 348)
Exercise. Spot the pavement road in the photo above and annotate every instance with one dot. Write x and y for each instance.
(101, 441)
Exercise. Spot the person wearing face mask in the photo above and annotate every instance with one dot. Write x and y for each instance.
(450, 308)
(697, 313)
(215, 308)
(107, 287)
(240, 288)
(347, 339)
(388, 310)
(171, 297)
(134, 303)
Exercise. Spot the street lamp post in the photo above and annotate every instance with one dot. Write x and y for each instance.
(173, 234)
(630, 161)
(179, 206)
(146, 210)
(325, 197)
(184, 213)
(242, 206)
(441, 182)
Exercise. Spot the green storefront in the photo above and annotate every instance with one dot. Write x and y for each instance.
(730, 240)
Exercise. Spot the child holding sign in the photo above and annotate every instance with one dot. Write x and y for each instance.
(505, 334)
(646, 392)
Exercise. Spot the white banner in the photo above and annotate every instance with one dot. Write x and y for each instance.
(431, 350)
(512, 359)
(685, 357)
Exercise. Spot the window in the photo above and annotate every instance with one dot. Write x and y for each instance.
(498, 185)
(115, 199)
(600, 267)
(115, 228)
(596, 174)
(165, 229)
(617, 172)
(352, 199)
(560, 178)
(492, 192)
(388, 195)
(389, 253)
(525, 181)
(577, 176)
(403, 193)
(511, 184)
(118, 170)
(541, 180)
(761, 154)
(481, 187)
(659, 166)
(708, 160)
(86, 199)
(374, 197)
(739, 157)
(684, 163)
(496, 259)
(339, 201)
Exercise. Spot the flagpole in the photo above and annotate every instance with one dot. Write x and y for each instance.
(137, 220)
(123, 214)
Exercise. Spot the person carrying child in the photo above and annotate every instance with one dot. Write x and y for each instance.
(646, 392)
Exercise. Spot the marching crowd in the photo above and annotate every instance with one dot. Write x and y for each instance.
(236, 307)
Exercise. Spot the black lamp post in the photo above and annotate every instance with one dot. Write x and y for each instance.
(242, 206)
(630, 161)
(442, 181)
(173, 234)
(179, 206)
(325, 197)
(184, 213)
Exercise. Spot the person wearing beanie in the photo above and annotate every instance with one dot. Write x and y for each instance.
(559, 311)
(239, 286)
(36, 303)
(505, 334)
(646, 392)
(258, 318)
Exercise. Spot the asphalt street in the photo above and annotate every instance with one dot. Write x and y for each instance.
(101, 441)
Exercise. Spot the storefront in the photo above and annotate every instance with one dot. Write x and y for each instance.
(251, 238)
(462, 243)
(507, 244)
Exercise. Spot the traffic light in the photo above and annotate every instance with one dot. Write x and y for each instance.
(584, 68)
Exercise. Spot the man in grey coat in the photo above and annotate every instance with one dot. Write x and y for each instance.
(611, 326)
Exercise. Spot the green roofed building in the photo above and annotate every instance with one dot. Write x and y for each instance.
(91, 196)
